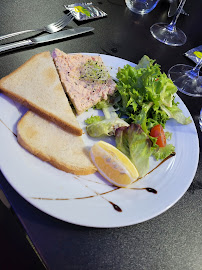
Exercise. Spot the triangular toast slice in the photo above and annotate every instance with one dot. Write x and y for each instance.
(52, 144)
(36, 85)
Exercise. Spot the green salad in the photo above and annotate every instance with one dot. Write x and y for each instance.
(138, 110)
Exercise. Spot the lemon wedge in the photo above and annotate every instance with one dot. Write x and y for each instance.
(113, 165)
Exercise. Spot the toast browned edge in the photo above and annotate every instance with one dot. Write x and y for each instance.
(38, 110)
(52, 161)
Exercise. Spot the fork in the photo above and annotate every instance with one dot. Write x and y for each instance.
(51, 28)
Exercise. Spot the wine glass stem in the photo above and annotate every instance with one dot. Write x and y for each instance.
(194, 73)
(171, 27)
(200, 120)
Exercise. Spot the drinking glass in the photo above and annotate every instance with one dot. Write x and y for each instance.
(141, 6)
(187, 79)
(169, 34)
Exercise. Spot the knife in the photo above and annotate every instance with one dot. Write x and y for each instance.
(46, 38)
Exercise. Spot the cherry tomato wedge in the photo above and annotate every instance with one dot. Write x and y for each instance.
(158, 132)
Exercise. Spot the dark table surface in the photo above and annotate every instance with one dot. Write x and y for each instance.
(172, 240)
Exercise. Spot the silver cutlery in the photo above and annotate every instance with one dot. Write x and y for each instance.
(51, 28)
(46, 38)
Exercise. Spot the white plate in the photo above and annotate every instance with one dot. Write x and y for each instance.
(65, 196)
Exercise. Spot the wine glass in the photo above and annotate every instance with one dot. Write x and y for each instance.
(200, 120)
(169, 34)
(141, 6)
(187, 79)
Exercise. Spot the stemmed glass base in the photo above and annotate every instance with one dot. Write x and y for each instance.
(167, 34)
(184, 77)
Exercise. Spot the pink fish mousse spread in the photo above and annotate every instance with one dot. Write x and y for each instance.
(83, 90)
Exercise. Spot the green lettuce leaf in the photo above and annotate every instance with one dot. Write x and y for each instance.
(93, 119)
(164, 152)
(102, 104)
(144, 62)
(141, 118)
(106, 125)
(146, 95)
(136, 145)
(177, 114)
(168, 135)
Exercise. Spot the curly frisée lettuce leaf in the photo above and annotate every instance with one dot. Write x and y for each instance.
(136, 145)
(93, 119)
(146, 96)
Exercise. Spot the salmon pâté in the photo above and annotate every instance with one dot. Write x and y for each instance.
(84, 77)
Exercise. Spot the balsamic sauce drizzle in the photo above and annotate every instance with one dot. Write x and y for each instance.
(168, 157)
(77, 198)
(8, 127)
(152, 190)
(115, 206)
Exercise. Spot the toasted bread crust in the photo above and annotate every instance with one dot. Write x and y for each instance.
(41, 112)
(29, 104)
(54, 162)
(64, 166)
